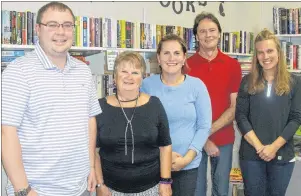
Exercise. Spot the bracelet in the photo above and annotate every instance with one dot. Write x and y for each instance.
(99, 185)
(165, 181)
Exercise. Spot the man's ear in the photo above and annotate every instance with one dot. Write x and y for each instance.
(37, 29)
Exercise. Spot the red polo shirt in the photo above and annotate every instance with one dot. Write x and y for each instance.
(222, 76)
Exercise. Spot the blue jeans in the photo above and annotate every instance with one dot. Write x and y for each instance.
(184, 182)
(220, 171)
(266, 178)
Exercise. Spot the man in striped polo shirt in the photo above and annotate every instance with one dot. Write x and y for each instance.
(49, 106)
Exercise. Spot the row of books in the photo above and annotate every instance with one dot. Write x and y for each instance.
(9, 56)
(292, 55)
(18, 28)
(286, 21)
(104, 85)
(237, 42)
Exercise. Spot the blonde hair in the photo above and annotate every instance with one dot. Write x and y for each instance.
(131, 57)
(282, 77)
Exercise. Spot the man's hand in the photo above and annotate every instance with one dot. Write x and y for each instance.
(267, 153)
(91, 180)
(211, 149)
(165, 190)
(103, 190)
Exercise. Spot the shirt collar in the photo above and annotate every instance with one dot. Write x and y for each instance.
(219, 57)
(47, 64)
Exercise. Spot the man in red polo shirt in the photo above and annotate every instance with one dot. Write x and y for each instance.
(222, 75)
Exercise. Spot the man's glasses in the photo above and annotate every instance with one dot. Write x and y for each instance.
(53, 26)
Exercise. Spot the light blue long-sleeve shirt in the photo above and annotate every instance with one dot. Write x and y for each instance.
(188, 109)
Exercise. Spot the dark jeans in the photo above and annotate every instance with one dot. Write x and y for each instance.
(220, 171)
(184, 182)
(266, 178)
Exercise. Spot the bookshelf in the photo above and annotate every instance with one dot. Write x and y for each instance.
(288, 35)
(100, 49)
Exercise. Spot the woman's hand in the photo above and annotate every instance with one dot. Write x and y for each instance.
(175, 155)
(165, 190)
(178, 163)
(267, 153)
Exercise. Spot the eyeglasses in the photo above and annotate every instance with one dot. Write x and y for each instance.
(53, 26)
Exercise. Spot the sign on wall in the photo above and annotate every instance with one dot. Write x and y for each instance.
(179, 6)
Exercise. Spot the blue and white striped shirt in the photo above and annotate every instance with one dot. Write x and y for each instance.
(50, 108)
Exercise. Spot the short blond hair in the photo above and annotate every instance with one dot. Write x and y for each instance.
(131, 57)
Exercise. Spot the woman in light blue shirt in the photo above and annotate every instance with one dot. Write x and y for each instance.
(188, 107)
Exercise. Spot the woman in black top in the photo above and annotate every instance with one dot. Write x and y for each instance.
(268, 113)
(133, 136)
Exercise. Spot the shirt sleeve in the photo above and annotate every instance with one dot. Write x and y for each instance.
(236, 77)
(163, 127)
(294, 118)
(93, 102)
(15, 95)
(243, 108)
(204, 117)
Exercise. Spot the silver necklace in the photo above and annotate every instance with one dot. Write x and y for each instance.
(129, 124)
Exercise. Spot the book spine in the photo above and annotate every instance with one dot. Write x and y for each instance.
(6, 30)
(118, 33)
(100, 32)
(13, 53)
(19, 28)
(34, 32)
(123, 34)
(85, 41)
(29, 28)
(97, 38)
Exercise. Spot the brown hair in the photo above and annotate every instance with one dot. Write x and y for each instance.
(202, 16)
(173, 37)
(282, 77)
(131, 57)
(55, 6)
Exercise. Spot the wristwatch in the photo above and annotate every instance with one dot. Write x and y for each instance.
(99, 185)
(23, 192)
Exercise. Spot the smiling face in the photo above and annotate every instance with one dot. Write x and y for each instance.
(128, 77)
(207, 34)
(55, 42)
(267, 54)
(171, 57)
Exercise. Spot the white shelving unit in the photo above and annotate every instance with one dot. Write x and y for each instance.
(81, 49)
(238, 54)
(92, 50)
(288, 35)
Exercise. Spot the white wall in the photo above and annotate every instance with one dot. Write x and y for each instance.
(153, 12)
